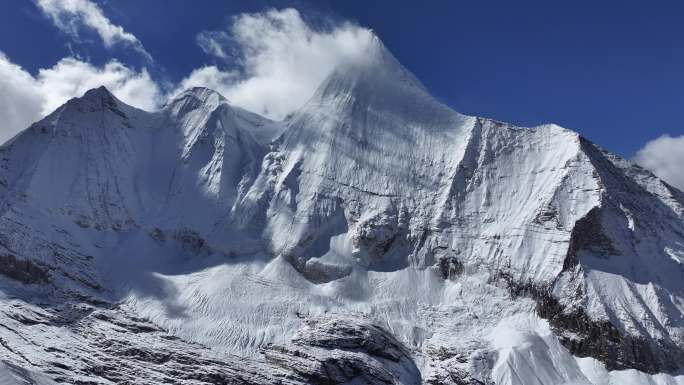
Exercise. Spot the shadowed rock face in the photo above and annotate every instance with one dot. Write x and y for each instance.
(108, 344)
(450, 268)
(24, 271)
(585, 337)
(588, 235)
(338, 349)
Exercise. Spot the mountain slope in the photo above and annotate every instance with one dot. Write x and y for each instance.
(462, 249)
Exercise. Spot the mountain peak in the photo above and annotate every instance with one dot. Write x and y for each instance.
(202, 94)
(98, 93)
(95, 99)
(373, 72)
(382, 59)
(193, 97)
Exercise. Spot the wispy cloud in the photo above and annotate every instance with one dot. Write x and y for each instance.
(215, 43)
(72, 15)
(665, 157)
(276, 60)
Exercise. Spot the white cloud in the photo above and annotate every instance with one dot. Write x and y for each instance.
(20, 100)
(214, 43)
(210, 77)
(281, 60)
(69, 15)
(665, 157)
(25, 99)
(71, 77)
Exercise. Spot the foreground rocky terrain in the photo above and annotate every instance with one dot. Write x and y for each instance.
(375, 236)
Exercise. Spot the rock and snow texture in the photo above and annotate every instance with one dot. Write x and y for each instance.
(373, 236)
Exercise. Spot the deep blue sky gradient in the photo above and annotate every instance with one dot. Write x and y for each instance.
(614, 71)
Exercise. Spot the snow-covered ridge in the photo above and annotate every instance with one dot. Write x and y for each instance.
(439, 230)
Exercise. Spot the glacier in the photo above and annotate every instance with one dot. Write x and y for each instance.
(374, 236)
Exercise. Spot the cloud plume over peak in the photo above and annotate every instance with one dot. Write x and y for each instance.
(278, 60)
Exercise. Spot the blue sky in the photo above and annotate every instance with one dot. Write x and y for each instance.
(611, 70)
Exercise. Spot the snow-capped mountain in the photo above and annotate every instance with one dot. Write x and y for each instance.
(373, 236)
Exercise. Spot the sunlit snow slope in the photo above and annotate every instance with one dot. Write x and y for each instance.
(373, 236)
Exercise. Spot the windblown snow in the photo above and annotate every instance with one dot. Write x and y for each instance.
(374, 236)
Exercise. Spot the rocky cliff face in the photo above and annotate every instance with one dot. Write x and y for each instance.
(374, 236)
